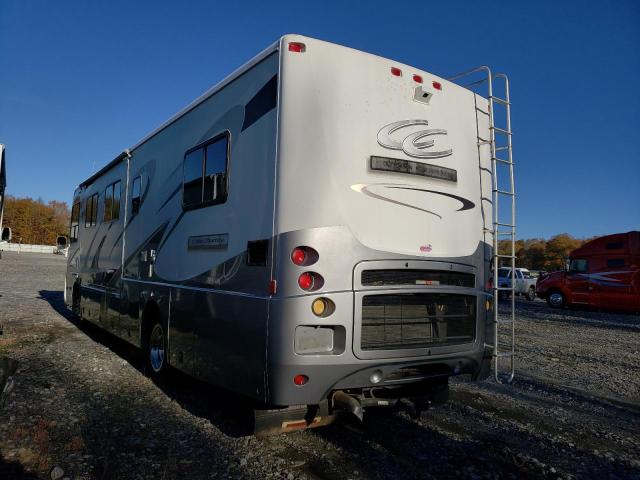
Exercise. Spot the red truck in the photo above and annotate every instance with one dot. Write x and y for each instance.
(603, 273)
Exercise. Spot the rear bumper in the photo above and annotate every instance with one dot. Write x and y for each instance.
(341, 368)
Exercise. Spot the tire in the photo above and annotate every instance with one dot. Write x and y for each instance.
(75, 303)
(156, 351)
(531, 294)
(556, 299)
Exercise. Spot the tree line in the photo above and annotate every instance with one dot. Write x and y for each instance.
(34, 221)
(541, 254)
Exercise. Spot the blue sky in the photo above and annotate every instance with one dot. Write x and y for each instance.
(80, 81)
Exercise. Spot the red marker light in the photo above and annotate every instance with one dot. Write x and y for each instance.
(297, 47)
(273, 287)
(417, 78)
(300, 380)
(437, 85)
(306, 281)
(298, 256)
(396, 71)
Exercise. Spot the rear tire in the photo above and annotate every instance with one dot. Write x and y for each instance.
(75, 303)
(556, 299)
(531, 294)
(156, 351)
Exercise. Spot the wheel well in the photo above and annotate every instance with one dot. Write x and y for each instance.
(150, 315)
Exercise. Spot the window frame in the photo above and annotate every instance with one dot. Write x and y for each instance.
(139, 197)
(112, 187)
(92, 220)
(207, 203)
(74, 226)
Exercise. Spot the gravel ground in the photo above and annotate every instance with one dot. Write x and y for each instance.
(78, 406)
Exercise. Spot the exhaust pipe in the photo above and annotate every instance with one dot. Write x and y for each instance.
(346, 402)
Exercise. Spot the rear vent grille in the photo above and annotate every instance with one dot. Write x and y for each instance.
(409, 321)
(374, 278)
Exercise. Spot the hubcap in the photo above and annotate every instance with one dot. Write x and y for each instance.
(156, 348)
(555, 299)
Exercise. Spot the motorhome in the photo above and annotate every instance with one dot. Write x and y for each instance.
(603, 273)
(316, 230)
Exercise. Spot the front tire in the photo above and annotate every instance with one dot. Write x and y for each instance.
(156, 351)
(556, 299)
(531, 294)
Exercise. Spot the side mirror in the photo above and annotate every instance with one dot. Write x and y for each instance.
(6, 234)
(61, 241)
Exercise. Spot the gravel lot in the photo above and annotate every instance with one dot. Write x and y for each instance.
(78, 406)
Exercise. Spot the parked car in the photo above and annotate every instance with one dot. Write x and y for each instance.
(525, 282)
(603, 273)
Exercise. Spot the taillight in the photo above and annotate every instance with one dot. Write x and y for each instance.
(304, 256)
(322, 307)
(396, 71)
(437, 85)
(417, 78)
(310, 281)
(300, 380)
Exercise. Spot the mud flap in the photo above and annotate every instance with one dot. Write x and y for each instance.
(290, 419)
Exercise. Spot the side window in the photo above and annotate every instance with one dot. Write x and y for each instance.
(192, 182)
(205, 173)
(112, 202)
(108, 202)
(115, 210)
(614, 245)
(91, 211)
(578, 265)
(615, 262)
(75, 222)
(136, 192)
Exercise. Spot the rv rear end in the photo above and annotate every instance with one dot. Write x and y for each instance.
(381, 255)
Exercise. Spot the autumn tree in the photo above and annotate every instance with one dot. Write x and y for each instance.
(34, 221)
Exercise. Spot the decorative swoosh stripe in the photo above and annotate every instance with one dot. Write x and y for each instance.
(366, 191)
(466, 204)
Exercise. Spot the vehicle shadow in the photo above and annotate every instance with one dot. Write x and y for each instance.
(230, 413)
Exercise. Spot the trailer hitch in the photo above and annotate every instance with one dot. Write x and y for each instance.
(346, 402)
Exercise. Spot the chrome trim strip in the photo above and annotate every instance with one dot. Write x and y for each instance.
(197, 289)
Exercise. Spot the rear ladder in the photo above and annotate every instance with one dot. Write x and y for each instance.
(501, 154)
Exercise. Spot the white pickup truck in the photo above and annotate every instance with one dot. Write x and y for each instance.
(525, 282)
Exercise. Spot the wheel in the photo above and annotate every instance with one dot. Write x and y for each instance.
(531, 294)
(556, 299)
(75, 303)
(156, 351)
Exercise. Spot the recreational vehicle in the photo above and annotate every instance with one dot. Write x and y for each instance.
(316, 230)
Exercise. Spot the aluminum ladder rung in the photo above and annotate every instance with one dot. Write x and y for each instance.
(482, 111)
(504, 322)
(502, 160)
(499, 255)
(499, 100)
(503, 354)
(505, 224)
(499, 149)
(501, 130)
(503, 289)
(504, 192)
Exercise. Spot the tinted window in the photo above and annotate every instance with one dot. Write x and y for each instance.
(504, 272)
(108, 202)
(115, 209)
(615, 262)
(91, 211)
(192, 188)
(215, 175)
(75, 221)
(578, 265)
(136, 188)
(205, 173)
